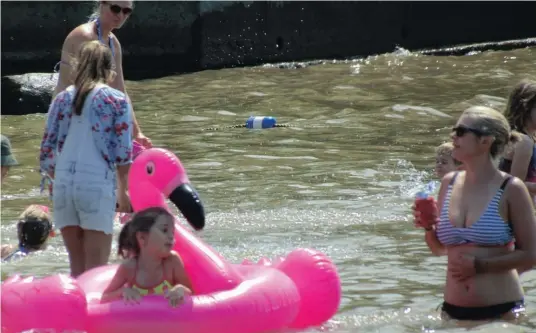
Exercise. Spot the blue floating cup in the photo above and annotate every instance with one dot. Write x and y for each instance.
(260, 122)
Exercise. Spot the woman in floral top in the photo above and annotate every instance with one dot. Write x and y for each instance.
(86, 149)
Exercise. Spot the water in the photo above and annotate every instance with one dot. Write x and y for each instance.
(341, 179)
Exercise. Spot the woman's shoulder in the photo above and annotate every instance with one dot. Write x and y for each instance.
(81, 32)
(79, 35)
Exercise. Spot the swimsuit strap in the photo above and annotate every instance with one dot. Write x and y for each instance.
(503, 185)
(99, 36)
(453, 178)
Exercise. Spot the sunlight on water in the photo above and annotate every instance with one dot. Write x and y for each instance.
(341, 179)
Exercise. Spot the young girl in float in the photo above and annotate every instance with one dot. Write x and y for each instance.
(33, 230)
(150, 267)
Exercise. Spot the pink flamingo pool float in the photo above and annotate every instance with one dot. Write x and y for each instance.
(298, 291)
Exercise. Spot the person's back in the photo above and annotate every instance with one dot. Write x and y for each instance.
(88, 138)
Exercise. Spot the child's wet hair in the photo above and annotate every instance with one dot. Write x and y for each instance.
(34, 227)
(446, 149)
(141, 221)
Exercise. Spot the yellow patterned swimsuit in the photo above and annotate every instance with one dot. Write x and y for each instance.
(159, 289)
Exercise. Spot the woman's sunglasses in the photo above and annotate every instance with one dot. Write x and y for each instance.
(118, 9)
(460, 131)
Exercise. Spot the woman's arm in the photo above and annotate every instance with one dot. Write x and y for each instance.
(52, 136)
(521, 215)
(119, 84)
(116, 286)
(179, 273)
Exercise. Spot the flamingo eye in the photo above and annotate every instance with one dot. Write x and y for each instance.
(150, 168)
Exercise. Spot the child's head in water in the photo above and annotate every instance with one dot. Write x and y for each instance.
(445, 163)
(34, 228)
(149, 232)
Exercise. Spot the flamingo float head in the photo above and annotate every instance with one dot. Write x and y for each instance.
(157, 174)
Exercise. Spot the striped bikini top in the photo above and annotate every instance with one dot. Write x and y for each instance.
(489, 230)
(159, 289)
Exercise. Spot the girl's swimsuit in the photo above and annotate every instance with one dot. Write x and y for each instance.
(159, 289)
(489, 230)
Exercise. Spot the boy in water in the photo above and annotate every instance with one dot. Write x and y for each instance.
(445, 163)
(33, 230)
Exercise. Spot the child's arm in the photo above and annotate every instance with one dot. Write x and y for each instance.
(116, 286)
(6, 250)
(179, 273)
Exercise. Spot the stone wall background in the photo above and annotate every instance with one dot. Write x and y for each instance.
(163, 38)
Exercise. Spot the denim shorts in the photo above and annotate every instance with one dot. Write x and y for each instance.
(84, 196)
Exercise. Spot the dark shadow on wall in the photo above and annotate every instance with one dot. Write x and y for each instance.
(163, 38)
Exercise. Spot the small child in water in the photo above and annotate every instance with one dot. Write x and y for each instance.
(150, 267)
(33, 230)
(445, 163)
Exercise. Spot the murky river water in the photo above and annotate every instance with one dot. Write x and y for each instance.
(340, 180)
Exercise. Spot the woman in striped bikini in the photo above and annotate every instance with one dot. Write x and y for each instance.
(481, 212)
(108, 15)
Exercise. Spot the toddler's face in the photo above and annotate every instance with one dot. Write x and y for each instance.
(444, 164)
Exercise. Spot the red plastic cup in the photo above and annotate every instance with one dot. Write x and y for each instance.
(428, 208)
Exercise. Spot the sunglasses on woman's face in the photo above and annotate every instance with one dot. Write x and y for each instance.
(461, 130)
(116, 9)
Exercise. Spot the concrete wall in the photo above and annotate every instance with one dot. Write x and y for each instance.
(162, 38)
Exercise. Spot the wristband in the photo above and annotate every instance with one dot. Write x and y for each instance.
(429, 229)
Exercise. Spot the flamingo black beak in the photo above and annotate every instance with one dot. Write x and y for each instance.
(186, 199)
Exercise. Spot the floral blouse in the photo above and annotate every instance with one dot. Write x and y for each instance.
(111, 124)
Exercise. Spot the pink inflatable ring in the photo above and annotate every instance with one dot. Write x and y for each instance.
(298, 291)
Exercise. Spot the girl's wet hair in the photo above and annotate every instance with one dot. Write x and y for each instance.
(34, 227)
(521, 102)
(142, 221)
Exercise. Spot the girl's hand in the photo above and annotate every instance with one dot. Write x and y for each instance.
(144, 141)
(123, 202)
(176, 295)
(131, 296)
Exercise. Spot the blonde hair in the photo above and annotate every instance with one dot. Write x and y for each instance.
(34, 213)
(521, 101)
(96, 11)
(446, 149)
(93, 65)
(492, 123)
